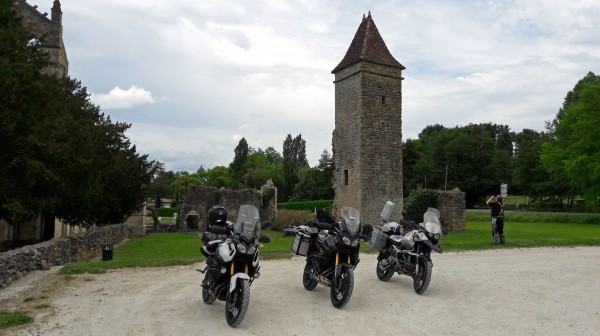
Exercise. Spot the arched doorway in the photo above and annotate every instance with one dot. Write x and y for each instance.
(192, 219)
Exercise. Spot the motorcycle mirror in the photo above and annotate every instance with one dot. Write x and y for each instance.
(264, 239)
(404, 213)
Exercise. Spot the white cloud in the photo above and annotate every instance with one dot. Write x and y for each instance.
(118, 98)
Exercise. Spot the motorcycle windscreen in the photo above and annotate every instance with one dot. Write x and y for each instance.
(431, 218)
(350, 220)
(431, 215)
(248, 222)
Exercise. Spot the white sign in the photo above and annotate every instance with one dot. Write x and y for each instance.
(504, 190)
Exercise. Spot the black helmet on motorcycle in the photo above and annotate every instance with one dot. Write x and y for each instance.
(217, 215)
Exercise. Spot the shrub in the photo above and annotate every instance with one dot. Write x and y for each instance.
(418, 201)
(165, 212)
(291, 218)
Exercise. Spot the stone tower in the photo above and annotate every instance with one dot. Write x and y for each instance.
(49, 32)
(367, 141)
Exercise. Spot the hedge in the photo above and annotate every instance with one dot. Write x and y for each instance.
(307, 205)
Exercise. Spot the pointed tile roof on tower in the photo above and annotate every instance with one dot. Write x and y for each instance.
(368, 45)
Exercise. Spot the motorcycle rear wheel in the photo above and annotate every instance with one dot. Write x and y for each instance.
(236, 304)
(383, 275)
(421, 280)
(307, 277)
(341, 289)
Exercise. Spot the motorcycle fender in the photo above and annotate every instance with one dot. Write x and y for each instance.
(338, 268)
(233, 280)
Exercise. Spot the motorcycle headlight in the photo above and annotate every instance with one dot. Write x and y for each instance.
(354, 242)
(437, 236)
(241, 248)
(346, 240)
(251, 250)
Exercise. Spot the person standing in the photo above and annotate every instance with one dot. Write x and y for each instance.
(496, 203)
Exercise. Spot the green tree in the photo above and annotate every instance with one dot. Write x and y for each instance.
(242, 150)
(576, 150)
(571, 99)
(294, 158)
(316, 183)
(161, 186)
(529, 175)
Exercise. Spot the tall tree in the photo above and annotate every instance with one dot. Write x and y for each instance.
(529, 175)
(242, 150)
(571, 99)
(59, 154)
(576, 150)
(294, 158)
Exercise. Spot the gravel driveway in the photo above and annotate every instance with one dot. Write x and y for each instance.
(541, 291)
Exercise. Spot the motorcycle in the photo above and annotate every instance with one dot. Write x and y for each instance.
(409, 253)
(332, 253)
(233, 264)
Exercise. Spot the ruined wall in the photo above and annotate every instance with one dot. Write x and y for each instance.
(201, 198)
(17, 263)
(49, 31)
(452, 205)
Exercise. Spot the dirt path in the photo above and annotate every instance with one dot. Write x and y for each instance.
(545, 291)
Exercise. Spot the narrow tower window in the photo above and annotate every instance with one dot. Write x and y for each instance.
(382, 100)
(345, 176)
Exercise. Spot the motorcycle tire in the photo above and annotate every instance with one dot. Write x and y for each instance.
(421, 280)
(207, 297)
(236, 303)
(307, 277)
(383, 275)
(341, 289)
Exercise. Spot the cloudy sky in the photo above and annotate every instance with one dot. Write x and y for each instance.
(195, 76)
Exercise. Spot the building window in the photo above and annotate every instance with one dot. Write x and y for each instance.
(345, 176)
(382, 100)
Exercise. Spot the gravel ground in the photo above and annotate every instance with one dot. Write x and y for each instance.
(541, 291)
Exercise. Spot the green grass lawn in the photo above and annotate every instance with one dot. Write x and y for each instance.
(169, 249)
(523, 234)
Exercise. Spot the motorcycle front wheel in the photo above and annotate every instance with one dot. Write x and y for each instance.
(421, 280)
(307, 277)
(341, 289)
(236, 304)
(383, 275)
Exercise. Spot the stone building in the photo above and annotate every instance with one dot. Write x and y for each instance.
(367, 141)
(48, 31)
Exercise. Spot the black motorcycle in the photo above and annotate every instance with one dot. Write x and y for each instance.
(233, 264)
(409, 253)
(332, 253)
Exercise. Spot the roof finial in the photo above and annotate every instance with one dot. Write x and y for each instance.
(363, 16)
(369, 13)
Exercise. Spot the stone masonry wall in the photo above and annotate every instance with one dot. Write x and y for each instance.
(367, 139)
(17, 263)
(452, 206)
(200, 199)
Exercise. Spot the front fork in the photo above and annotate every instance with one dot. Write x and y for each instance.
(338, 265)
(238, 275)
(417, 259)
